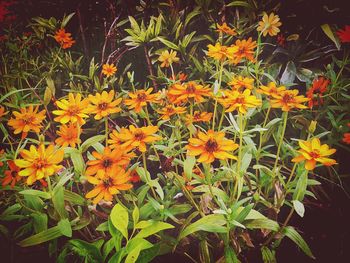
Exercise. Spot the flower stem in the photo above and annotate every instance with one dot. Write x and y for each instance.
(106, 129)
(240, 143)
(145, 167)
(285, 117)
(216, 101)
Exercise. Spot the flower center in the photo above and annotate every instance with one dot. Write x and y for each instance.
(139, 136)
(74, 110)
(14, 173)
(108, 182)
(240, 100)
(191, 88)
(314, 155)
(211, 146)
(103, 106)
(107, 163)
(287, 98)
(141, 96)
(29, 119)
(40, 164)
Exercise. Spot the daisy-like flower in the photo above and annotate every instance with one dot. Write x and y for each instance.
(313, 151)
(344, 34)
(11, 175)
(271, 89)
(2, 111)
(240, 83)
(224, 28)
(198, 117)
(28, 119)
(221, 53)
(68, 135)
(114, 141)
(39, 162)
(210, 146)
(167, 58)
(72, 110)
(64, 38)
(109, 70)
(288, 99)
(243, 49)
(138, 137)
(108, 161)
(180, 77)
(269, 25)
(179, 93)
(346, 137)
(170, 110)
(241, 101)
(104, 104)
(318, 88)
(107, 187)
(140, 98)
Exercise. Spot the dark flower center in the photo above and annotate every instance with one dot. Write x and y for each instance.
(141, 96)
(108, 182)
(73, 111)
(240, 100)
(211, 146)
(287, 98)
(29, 119)
(103, 106)
(107, 163)
(40, 164)
(14, 173)
(314, 155)
(139, 136)
(191, 88)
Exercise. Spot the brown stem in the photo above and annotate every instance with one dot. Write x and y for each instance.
(82, 32)
(149, 65)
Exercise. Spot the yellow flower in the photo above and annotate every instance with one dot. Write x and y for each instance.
(29, 119)
(108, 161)
(179, 93)
(224, 28)
(313, 151)
(211, 146)
(241, 82)
(138, 137)
(114, 141)
(72, 110)
(109, 70)
(243, 49)
(170, 110)
(108, 186)
(168, 58)
(103, 105)
(68, 135)
(198, 117)
(40, 162)
(221, 53)
(2, 111)
(140, 98)
(235, 100)
(269, 24)
(271, 89)
(288, 99)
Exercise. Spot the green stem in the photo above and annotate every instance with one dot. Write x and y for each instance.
(216, 101)
(145, 167)
(221, 119)
(240, 143)
(285, 118)
(106, 130)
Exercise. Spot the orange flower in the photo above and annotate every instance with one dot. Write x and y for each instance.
(2, 151)
(109, 70)
(168, 58)
(63, 38)
(108, 162)
(138, 137)
(344, 34)
(140, 98)
(241, 82)
(69, 135)
(114, 141)
(271, 89)
(269, 24)
(72, 110)
(11, 175)
(235, 100)
(221, 53)
(211, 146)
(188, 182)
(29, 119)
(179, 93)
(103, 105)
(170, 110)
(243, 49)
(108, 186)
(39, 162)
(319, 87)
(224, 28)
(346, 138)
(181, 77)
(288, 99)
(198, 117)
(313, 151)
(2, 111)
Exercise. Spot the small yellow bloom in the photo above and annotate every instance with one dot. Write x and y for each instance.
(221, 53)
(168, 58)
(103, 105)
(72, 110)
(269, 24)
(198, 117)
(313, 151)
(288, 99)
(109, 70)
(210, 146)
(39, 162)
(170, 110)
(235, 100)
(224, 28)
(271, 89)
(239, 83)
(180, 93)
(243, 49)
(68, 135)
(28, 119)
(140, 98)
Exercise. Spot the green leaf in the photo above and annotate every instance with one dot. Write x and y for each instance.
(66, 19)
(65, 227)
(90, 252)
(134, 248)
(297, 239)
(168, 43)
(188, 166)
(58, 201)
(211, 223)
(268, 255)
(299, 207)
(73, 198)
(135, 215)
(91, 141)
(102, 227)
(153, 228)
(328, 31)
(300, 189)
(147, 255)
(78, 161)
(38, 193)
(120, 219)
(44, 236)
(262, 224)
(39, 222)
